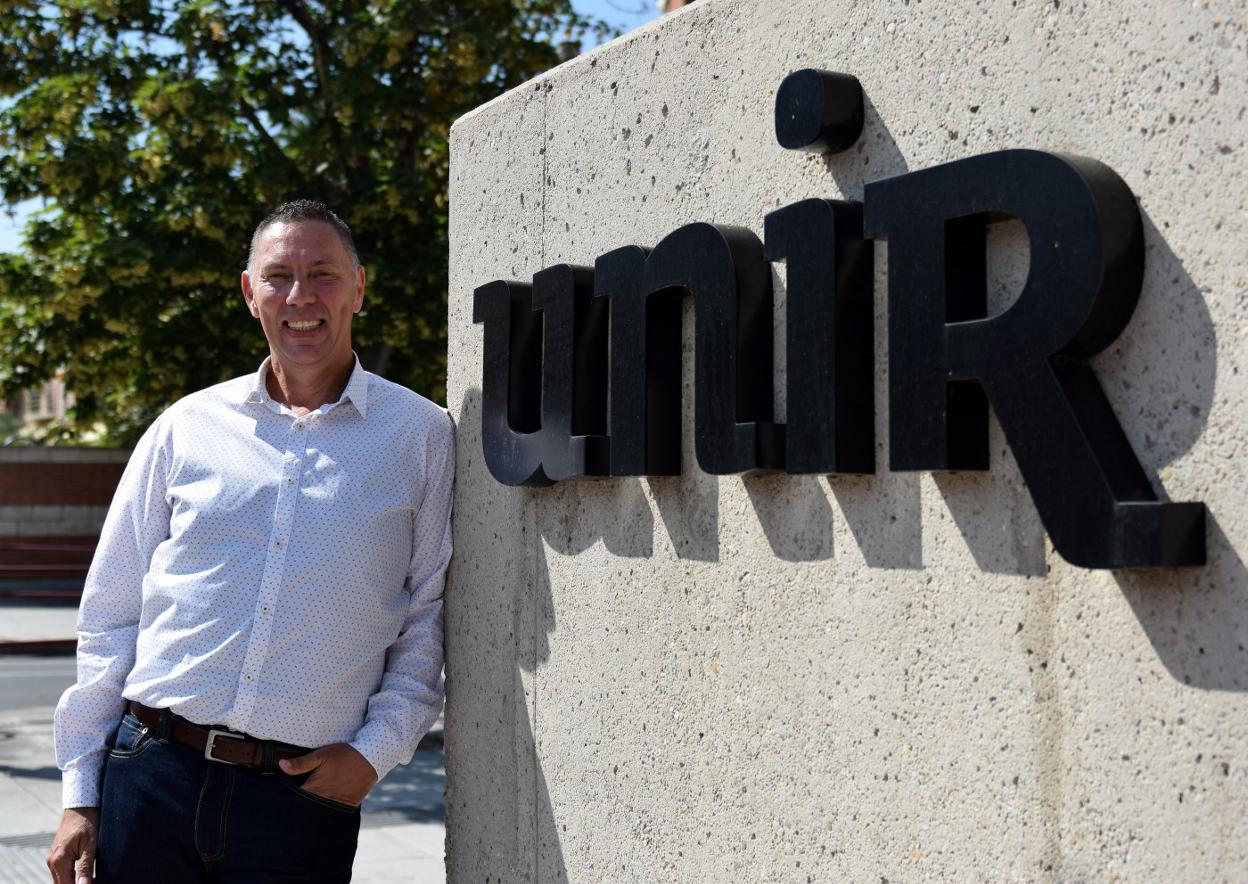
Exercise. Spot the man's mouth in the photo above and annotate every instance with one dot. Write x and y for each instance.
(303, 325)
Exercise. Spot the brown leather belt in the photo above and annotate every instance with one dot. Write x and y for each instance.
(217, 744)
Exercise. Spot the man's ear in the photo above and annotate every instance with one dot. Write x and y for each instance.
(248, 295)
(360, 281)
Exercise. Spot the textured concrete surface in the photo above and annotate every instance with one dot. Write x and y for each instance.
(829, 678)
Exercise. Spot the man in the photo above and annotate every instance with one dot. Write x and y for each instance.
(264, 611)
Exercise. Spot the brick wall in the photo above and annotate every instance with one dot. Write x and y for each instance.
(57, 492)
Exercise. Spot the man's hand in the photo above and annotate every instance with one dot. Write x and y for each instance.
(339, 773)
(72, 857)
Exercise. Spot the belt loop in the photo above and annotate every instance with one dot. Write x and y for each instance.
(166, 724)
(269, 764)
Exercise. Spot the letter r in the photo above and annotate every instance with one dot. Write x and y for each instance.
(945, 354)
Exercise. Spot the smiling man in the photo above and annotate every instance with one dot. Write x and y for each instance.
(260, 638)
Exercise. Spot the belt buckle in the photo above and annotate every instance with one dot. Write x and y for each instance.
(213, 733)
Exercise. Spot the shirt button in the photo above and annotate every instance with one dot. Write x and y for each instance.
(264, 610)
(247, 677)
(298, 425)
(290, 481)
(278, 544)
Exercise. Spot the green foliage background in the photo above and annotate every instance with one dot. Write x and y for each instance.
(160, 134)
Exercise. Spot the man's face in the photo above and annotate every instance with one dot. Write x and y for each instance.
(304, 288)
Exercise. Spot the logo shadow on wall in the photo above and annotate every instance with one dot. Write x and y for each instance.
(1169, 341)
(493, 698)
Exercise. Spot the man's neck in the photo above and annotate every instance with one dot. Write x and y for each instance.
(306, 390)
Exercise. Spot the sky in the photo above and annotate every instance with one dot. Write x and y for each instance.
(621, 14)
(10, 240)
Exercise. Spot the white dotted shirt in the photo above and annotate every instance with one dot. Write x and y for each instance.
(278, 575)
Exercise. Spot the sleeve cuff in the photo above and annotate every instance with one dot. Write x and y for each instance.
(377, 751)
(80, 787)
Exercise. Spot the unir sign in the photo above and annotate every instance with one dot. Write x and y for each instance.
(582, 367)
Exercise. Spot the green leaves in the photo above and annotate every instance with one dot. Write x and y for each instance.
(159, 134)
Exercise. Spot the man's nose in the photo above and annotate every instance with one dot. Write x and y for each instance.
(300, 292)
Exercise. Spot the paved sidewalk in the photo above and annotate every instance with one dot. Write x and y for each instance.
(401, 837)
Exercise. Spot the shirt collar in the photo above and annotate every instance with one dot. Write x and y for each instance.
(356, 390)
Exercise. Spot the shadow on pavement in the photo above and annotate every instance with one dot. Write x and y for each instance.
(34, 773)
(413, 793)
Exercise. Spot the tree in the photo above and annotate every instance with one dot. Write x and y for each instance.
(159, 134)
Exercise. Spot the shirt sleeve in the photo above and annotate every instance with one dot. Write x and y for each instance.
(108, 621)
(410, 696)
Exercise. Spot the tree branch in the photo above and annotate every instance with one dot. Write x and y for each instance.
(254, 118)
(299, 11)
(226, 65)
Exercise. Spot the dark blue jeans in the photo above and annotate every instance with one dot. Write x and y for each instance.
(169, 815)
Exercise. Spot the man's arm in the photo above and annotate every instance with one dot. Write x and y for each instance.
(108, 623)
(108, 620)
(410, 696)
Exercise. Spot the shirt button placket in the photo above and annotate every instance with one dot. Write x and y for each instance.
(283, 518)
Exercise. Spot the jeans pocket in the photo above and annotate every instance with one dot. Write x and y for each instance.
(132, 738)
(295, 784)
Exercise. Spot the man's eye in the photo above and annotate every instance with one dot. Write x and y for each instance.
(276, 276)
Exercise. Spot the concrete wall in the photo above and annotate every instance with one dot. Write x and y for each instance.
(829, 678)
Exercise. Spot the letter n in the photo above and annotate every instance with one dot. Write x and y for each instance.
(723, 270)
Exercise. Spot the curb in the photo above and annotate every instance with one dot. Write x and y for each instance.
(48, 647)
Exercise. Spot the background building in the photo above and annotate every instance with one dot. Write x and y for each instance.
(36, 409)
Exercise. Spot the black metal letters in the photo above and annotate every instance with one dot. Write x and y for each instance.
(510, 382)
(828, 334)
(544, 389)
(582, 370)
(1087, 262)
(574, 373)
(723, 270)
(818, 111)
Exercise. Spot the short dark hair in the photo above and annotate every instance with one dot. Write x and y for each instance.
(305, 210)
